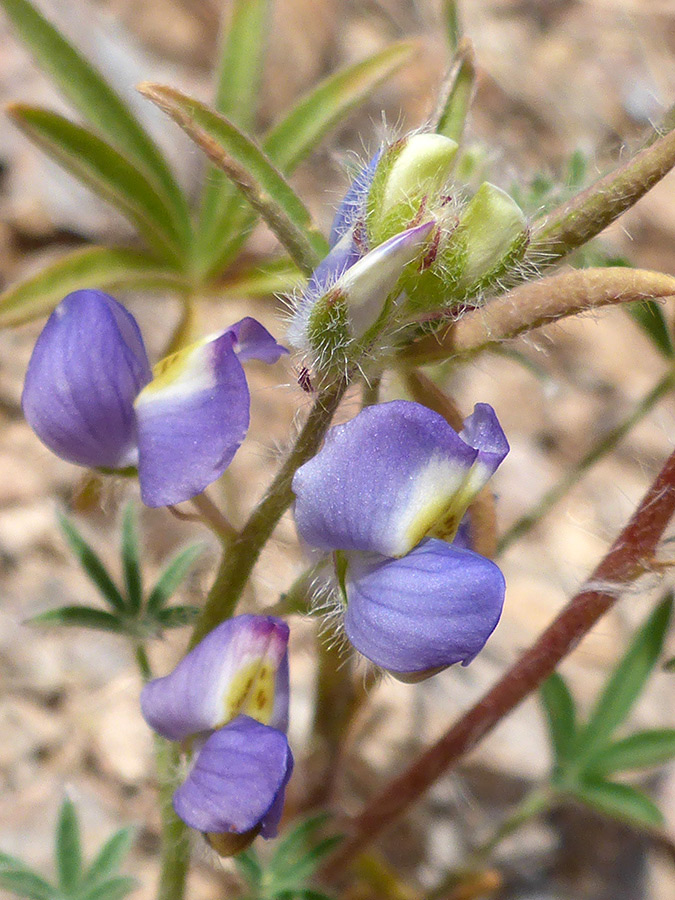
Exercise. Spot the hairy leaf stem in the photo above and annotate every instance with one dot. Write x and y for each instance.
(626, 560)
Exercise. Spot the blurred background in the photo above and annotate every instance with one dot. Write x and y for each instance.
(555, 76)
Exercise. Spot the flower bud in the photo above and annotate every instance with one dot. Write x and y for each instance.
(408, 180)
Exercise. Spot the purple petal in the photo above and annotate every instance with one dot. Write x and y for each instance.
(237, 781)
(191, 418)
(240, 667)
(253, 341)
(435, 607)
(482, 431)
(87, 367)
(341, 257)
(353, 205)
(381, 481)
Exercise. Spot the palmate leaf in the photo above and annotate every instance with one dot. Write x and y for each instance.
(620, 801)
(638, 751)
(92, 565)
(261, 183)
(560, 715)
(107, 267)
(292, 139)
(172, 576)
(130, 559)
(105, 171)
(625, 684)
(68, 851)
(89, 93)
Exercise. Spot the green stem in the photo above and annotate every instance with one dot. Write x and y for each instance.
(175, 847)
(143, 662)
(242, 554)
(576, 472)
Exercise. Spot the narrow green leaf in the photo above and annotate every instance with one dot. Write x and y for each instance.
(457, 94)
(241, 65)
(274, 276)
(106, 267)
(114, 889)
(261, 183)
(294, 874)
(172, 576)
(649, 316)
(91, 564)
(639, 751)
(293, 138)
(93, 97)
(453, 28)
(67, 850)
(249, 868)
(590, 212)
(620, 801)
(111, 855)
(298, 838)
(176, 616)
(130, 560)
(24, 883)
(80, 617)
(626, 682)
(104, 170)
(560, 715)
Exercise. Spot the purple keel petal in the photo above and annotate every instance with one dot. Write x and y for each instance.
(381, 481)
(240, 667)
(237, 781)
(253, 341)
(87, 367)
(435, 607)
(191, 418)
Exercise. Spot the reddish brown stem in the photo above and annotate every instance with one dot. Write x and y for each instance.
(628, 557)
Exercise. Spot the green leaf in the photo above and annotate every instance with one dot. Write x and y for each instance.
(91, 564)
(104, 170)
(247, 166)
(106, 267)
(176, 616)
(130, 560)
(649, 316)
(93, 97)
(560, 715)
(626, 682)
(639, 751)
(620, 801)
(173, 575)
(24, 883)
(241, 65)
(68, 851)
(80, 617)
(249, 868)
(457, 94)
(295, 874)
(274, 276)
(294, 137)
(110, 856)
(114, 889)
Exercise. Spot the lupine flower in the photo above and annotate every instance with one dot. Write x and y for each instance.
(229, 697)
(91, 397)
(385, 495)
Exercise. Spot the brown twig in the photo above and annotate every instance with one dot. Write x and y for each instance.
(625, 561)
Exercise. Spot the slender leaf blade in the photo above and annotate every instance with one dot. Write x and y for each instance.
(91, 563)
(638, 751)
(68, 850)
(560, 715)
(626, 682)
(620, 801)
(111, 855)
(457, 94)
(24, 883)
(261, 183)
(107, 267)
(130, 559)
(649, 316)
(92, 96)
(80, 617)
(114, 889)
(104, 170)
(249, 868)
(172, 576)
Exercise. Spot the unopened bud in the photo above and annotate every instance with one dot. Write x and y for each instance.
(408, 181)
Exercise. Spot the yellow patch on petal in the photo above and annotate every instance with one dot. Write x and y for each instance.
(170, 369)
(251, 693)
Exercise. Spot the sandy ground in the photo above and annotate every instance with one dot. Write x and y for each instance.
(554, 76)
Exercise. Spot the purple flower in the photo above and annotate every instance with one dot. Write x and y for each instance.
(386, 494)
(91, 396)
(229, 696)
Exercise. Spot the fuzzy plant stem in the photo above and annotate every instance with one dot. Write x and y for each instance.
(175, 836)
(629, 557)
(241, 555)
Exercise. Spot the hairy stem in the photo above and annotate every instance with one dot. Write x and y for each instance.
(242, 554)
(576, 472)
(626, 560)
(175, 840)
